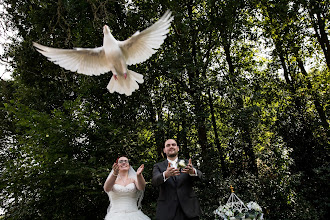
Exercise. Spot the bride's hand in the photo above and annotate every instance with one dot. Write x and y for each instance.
(115, 169)
(140, 170)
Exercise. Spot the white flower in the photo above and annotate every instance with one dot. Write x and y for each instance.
(224, 211)
(254, 206)
(182, 164)
(228, 212)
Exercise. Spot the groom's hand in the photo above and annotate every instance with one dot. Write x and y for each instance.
(189, 168)
(171, 171)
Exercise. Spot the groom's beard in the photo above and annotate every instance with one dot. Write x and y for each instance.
(172, 155)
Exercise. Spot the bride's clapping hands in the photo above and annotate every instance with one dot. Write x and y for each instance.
(140, 183)
(115, 169)
(140, 170)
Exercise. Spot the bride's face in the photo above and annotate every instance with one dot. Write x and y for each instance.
(123, 163)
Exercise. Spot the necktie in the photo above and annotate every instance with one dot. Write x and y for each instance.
(173, 165)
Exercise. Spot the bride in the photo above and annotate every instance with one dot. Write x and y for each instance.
(125, 189)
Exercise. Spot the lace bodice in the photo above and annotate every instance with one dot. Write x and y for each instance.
(123, 198)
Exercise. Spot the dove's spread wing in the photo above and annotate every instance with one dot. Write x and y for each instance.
(87, 61)
(142, 45)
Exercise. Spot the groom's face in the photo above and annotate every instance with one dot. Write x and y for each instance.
(171, 148)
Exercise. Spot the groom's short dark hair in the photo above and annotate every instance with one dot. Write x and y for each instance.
(169, 139)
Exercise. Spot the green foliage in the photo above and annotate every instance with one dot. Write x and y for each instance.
(242, 85)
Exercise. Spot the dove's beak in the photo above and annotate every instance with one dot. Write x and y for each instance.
(106, 29)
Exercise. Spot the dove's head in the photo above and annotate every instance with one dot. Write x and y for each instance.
(106, 29)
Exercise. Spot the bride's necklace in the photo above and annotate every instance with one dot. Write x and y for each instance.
(123, 180)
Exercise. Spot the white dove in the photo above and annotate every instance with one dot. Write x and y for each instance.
(113, 56)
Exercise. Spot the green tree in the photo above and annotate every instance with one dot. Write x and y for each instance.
(241, 85)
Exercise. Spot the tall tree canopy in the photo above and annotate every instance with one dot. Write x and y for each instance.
(242, 85)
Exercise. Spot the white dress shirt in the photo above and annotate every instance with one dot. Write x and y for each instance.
(174, 163)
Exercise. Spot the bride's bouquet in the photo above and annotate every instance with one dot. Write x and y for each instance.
(236, 209)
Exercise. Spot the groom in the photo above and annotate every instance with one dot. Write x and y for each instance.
(177, 200)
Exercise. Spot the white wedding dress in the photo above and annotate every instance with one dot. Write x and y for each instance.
(123, 204)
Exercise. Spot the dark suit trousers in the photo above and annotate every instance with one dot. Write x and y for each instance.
(179, 215)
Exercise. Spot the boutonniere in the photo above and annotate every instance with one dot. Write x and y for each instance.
(182, 164)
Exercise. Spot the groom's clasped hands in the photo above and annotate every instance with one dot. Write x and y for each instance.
(189, 168)
(172, 171)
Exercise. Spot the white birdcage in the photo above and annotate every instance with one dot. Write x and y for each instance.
(235, 209)
(235, 203)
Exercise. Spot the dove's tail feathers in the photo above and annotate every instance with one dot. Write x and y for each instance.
(125, 86)
(137, 76)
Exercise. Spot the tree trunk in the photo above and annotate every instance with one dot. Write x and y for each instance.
(248, 149)
(224, 167)
(319, 27)
(318, 106)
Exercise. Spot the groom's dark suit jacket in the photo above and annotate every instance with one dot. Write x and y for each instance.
(174, 192)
